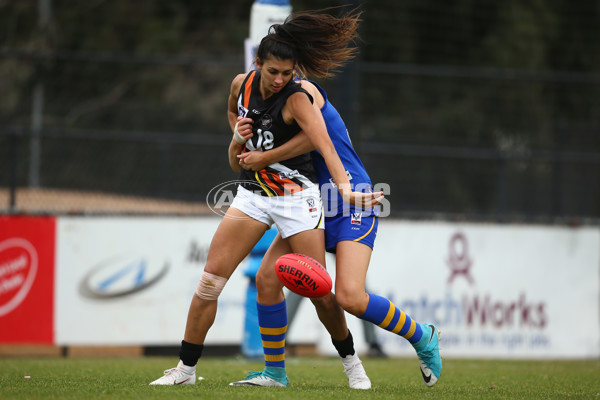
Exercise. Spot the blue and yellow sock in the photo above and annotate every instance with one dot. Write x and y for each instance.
(385, 314)
(272, 321)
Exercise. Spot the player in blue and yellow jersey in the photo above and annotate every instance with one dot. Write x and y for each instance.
(267, 109)
(350, 234)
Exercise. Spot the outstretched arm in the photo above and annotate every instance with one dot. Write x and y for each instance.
(311, 121)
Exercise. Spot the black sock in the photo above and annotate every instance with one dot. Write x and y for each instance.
(190, 353)
(344, 347)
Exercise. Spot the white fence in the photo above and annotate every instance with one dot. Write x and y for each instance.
(508, 291)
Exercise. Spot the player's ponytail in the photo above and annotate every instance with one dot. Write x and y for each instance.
(318, 43)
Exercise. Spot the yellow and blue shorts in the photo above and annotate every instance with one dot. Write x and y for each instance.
(354, 227)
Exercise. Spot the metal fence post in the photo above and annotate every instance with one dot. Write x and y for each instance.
(13, 165)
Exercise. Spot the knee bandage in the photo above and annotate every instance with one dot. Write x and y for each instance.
(210, 286)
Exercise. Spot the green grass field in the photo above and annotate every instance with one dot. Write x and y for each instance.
(311, 378)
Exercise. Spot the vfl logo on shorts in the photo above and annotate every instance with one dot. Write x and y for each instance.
(311, 205)
(356, 218)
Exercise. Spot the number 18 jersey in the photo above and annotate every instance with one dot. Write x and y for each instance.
(270, 131)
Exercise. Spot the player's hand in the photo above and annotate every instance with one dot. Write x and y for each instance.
(365, 201)
(243, 130)
(253, 160)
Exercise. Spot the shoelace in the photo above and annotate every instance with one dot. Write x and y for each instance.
(254, 374)
(352, 367)
(426, 353)
(172, 370)
(355, 377)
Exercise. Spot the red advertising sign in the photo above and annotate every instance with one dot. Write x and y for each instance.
(27, 279)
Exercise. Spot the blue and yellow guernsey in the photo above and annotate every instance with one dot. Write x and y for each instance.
(357, 174)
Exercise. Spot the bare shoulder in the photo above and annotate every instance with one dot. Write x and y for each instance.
(314, 92)
(237, 83)
(309, 87)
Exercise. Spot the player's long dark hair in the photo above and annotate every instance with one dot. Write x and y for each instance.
(318, 43)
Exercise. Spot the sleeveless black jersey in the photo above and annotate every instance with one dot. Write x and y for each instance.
(270, 131)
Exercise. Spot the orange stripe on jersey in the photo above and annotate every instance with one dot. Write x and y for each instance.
(248, 89)
(277, 183)
(263, 185)
(290, 186)
(269, 181)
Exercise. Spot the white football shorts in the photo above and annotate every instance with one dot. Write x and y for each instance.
(292, 213)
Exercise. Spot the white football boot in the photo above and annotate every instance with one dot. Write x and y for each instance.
(176, 376)
(357, 377)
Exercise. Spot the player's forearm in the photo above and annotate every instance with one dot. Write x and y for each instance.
(337, 171)
(234, 150)
(232, 117)
(299, 144)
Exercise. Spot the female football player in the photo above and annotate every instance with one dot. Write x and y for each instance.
(266, 108)
(350, 234)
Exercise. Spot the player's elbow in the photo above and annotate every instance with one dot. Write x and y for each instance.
(235, 166)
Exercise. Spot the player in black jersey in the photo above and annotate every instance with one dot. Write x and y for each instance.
(266, 108)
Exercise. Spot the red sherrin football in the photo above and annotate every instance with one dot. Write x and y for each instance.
(303, 275)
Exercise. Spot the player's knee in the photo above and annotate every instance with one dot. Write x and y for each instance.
(324, 301)
(210, 286)
(267, 283)
(350, 302)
